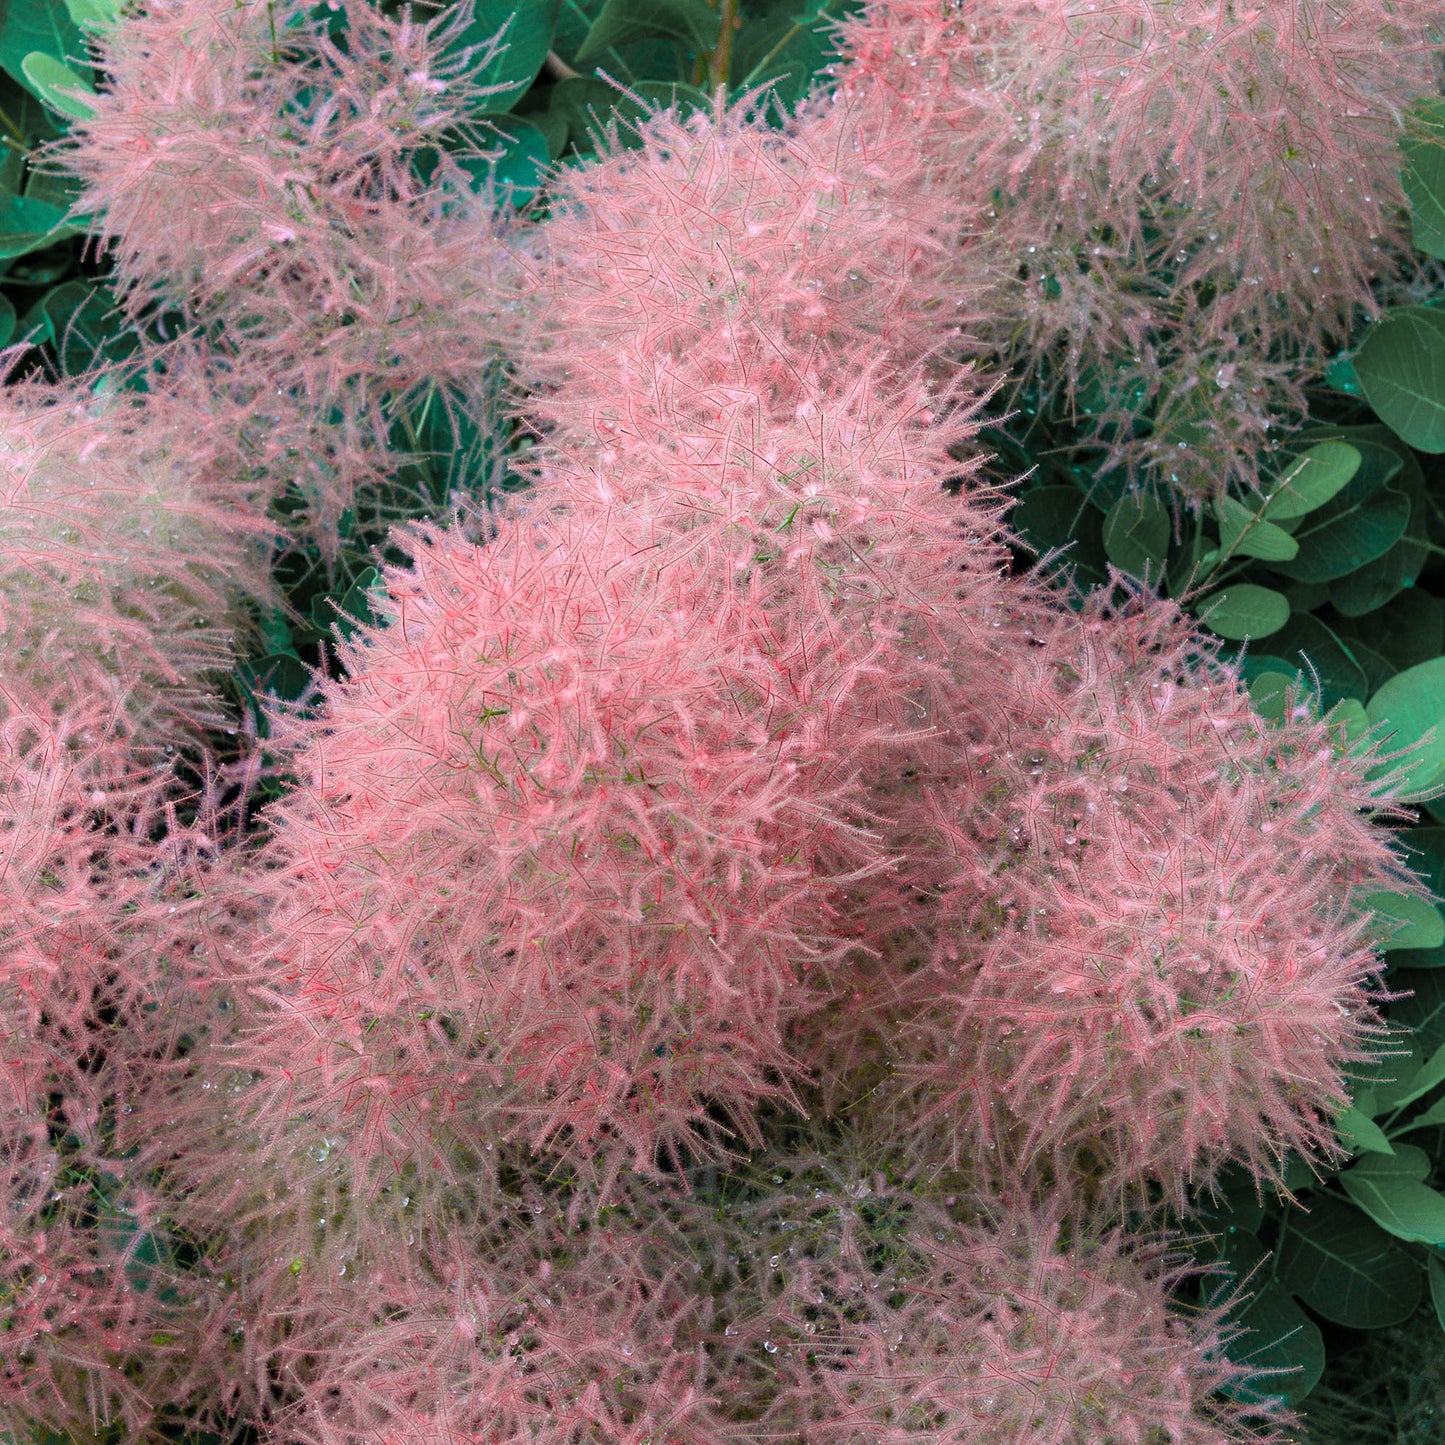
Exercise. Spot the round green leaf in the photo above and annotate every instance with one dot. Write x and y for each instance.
(1359, 524)
(1269, 692)
(1245, 533)
(1424, 180)
(1278, 1335)
(58, 85)
(26, 225)
(1346, 1268)
(1136, 535)
(1410, 706)
(1401, 366)
(517, 174)
(1244, 610)
(1399, 1205)
(1414, 923)
(524, 35)
(693, 23)
(1311, 480)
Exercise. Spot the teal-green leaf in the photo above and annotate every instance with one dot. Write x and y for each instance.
(1278, 1336)
(1401, 366)
(1361, 1134)
(1311, 480)
(1058, 516)
(1413, 922)
(517, 174)
(1245, 533)
(1244, 610)
(1136, 535)
(1363, 521)
(525, 33)
(94, 15)
(1423, 176)
(1349, 715)
(1425, 847)
(27, 26)
(1408, 708)
(1430, 1075)
(1408, 1161)
(27, 225)
(693, 23)
(1270, 692)
(1409, 1210)
(1324, 661)
(1345, 1268)
(58, 85)
(1436, 1268)
(789, 49)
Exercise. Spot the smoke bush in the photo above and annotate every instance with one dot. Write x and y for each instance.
(121, 559)
(1151, 957)
(1249, 150)
(724, 789)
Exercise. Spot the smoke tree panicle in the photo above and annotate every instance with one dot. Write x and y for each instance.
(95, 970)
(266, 177)
(861, 1312)
(121, 560)
(1154, 953)
(1249, 150)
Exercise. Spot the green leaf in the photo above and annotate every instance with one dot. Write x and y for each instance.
(589, 107)
(83, 323)
(1054, 517)
(1278, 1336)
(94, 15)
(1409, 708)
(1396, 1075)
(1349, 713)
(693, 23)
(1269, 693)
(1245, 533)
(28, 225)
(1361, 1134)
(1243, 610)
(1435, 1114)
(1325, 664)
(525, 33)
(1416, 923)
(1385, 458)
(1416, 1085)
(27, 26)
(1361, 522)
(789, 49)
(1401, 366)
(58, 85)
(1436, 1268)
(1407, 1162)
(1340, 374)
(1405, 1208)
(1345, 1268)
(1422, 1012)
(1407, 629)
(1275, 1333)
(1423, 175)
(1311, 481)
(1136, 535)
(518, 173)
(1425, 846)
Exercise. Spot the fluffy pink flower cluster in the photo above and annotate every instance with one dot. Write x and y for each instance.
(729, 788)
